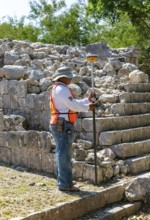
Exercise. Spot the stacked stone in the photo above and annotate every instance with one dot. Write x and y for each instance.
(27, 68)
(25, 85)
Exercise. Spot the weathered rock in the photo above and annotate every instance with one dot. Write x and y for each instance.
(137, 76)
(127, 68)
(80, 154)
(13, 122)
(12, 72)
(138, 189)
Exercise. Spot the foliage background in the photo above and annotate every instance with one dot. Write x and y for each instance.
(119, 23)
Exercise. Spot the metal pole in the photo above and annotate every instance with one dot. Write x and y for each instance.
(94, 129)
(92, 58)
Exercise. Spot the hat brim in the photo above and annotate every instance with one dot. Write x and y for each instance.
(66, 75)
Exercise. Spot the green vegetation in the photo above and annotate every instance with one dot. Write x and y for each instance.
(23, 193)
(118, 23)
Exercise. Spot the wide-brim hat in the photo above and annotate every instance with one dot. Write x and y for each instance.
(62, 72)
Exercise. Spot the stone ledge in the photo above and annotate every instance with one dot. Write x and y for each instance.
(139, 164)
(127, 150)
(118, 212)
(79, 207)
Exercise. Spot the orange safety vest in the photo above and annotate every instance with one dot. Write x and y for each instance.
(72, 115)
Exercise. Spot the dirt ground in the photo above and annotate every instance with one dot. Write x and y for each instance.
(23, 192)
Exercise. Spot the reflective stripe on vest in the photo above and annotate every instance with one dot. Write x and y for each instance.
(72, 115)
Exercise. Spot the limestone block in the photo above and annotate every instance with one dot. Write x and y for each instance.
(115, 63)
(80, 154)
(112, 197)
(14, 72)
(21, 89)
(30, 101)
(1, 102)
(137, 76)
(11, 122)
(13, 139)
(107, 172)
(89, 173)
(83, 71)
(111, 98)
(22, 103)
(110, 138)
(1, 121)
(37, 64)
(48, 162)
(45, 83)
(6, 101)
(44, 141)
(78, 169)
(33, 137)
(14, 102)
(86, 144)
(124, 150)
(136, 87)
(88, 136)
(106, 153)
(117, 109)
(87, 124)
(36, 74)
(2, 73)
(90, 159)
(116, 170)
(4, 139)
(3, 87)
(124, 97)
(138, 188)
(140, 164)
(5, 154)
(39, 55)
(127, 68)
(10, 57)
(3, 49)
(78, 125)
(23, 139)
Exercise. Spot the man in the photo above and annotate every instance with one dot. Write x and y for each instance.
(63, 110)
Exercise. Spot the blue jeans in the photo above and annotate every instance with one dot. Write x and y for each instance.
(63, 140)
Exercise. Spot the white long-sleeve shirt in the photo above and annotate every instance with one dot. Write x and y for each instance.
(64, 101)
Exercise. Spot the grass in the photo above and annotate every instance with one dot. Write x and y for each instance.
(22, 193)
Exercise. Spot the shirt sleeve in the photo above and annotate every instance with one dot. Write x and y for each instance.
(71, 103)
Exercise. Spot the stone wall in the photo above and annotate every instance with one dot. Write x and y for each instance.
(25, 85)
(26, 70)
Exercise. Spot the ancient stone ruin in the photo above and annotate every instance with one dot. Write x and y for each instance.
(122, 118)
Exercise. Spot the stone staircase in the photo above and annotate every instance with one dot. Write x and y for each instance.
(126, 132)
(129, 134)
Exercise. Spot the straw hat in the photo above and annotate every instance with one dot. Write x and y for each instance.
(62, 72)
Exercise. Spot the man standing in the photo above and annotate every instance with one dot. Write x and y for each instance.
(63, 110)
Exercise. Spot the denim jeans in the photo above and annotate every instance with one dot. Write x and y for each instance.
(63, 140)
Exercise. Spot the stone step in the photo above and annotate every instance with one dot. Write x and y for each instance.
(129, 108)
(109, 138)
(86, 202)
(134, 97)
(139, 164)
(137, 87)
(115, 123)
(126, 150)
(115, 212)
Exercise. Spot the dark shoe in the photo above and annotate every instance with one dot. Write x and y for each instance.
(70, 189)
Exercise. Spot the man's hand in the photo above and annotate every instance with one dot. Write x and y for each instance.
(93, 105)
(92, 97)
